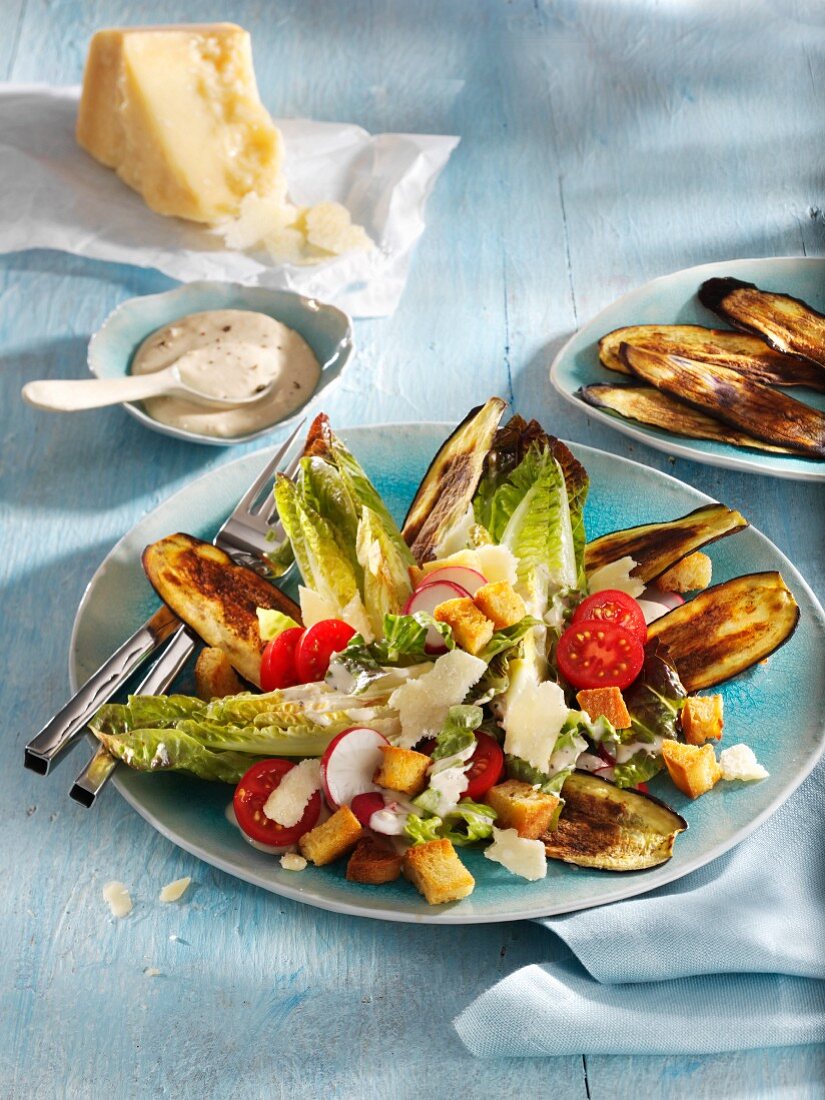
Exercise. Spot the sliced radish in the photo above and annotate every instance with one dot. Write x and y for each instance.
(349, 763)
(367, 804)
(462, 575)
(427, 598)
(655, 602)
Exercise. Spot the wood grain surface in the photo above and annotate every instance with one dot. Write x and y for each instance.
(604, 142)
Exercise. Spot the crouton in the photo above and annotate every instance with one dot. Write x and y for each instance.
(402, 770)
(435, 870)
(214, 675)
(605, 703)
(332, 838)
(687, 575)
(702, 719)
(373, 862)
(471, 630)
(500, 603)
(693, 770)
(524, 808)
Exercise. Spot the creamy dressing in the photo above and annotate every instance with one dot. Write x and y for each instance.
(229, 354)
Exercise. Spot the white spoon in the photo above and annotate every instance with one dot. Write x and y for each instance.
(57, 395)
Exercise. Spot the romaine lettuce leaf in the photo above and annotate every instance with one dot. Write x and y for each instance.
(638, 769)
(325, 567)
(271, 623)
(549, 784)
(386, 580)
(468, 822)
(174, 750)
(457, 733)
(422, 829)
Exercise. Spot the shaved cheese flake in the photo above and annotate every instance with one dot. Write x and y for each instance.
(739, 762)
(616, 574)
(423, 704)
(152, 972)
(520, 856)
(291, 861)
(533, 719)
(117, 898)
(288, 802)
(498, 563)
(315, 608)
(174, 891)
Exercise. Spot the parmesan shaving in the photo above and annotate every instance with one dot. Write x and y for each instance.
(423, 704)
(174, 891)
(117, 898)
(288, 802)
(291, 861)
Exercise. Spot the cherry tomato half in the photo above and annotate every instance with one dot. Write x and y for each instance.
(486, 766)
(594, 654)
(317, 647)
(251, 795)
(613, 606)
(278, 660)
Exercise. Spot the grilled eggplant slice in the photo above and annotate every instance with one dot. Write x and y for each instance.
(756, 409)
(655, 547)
(447, 488)
(647, 405)
(788, 324)
(611, 828)
(215, 597)
(727, 628)
(739, 351)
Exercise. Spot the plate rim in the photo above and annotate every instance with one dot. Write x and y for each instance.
(672, 445)
(664, 874)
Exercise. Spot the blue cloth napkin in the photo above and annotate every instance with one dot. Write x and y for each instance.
(730, 957)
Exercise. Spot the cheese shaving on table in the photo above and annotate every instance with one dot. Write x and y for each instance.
(526, 858)
(423, 704)
(287, 803)
(174, 891)
(616, 574)
(739, 762)
(117, 898)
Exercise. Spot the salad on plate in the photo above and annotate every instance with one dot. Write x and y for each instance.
(483, 676)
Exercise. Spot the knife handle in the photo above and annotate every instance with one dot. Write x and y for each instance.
(69, 722)
(98, 771)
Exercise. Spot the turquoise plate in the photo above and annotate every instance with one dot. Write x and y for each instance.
(327, 330)
(778, 708)
(671, 300)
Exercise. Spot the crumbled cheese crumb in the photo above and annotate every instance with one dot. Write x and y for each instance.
(526, 858)
(291, 861)
(739, 762)
(616, 574)
(287, 803)
(117, 898)
(423, 704)
(173, 891)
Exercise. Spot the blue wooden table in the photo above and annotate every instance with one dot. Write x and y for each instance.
(603, 143)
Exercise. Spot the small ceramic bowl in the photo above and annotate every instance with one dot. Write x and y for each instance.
(326, 329)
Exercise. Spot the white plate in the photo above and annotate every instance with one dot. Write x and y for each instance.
(672, 300)
(778, 708)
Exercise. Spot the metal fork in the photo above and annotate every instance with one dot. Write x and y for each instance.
(244, 537)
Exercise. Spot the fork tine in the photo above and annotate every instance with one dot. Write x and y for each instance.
(244, 505)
